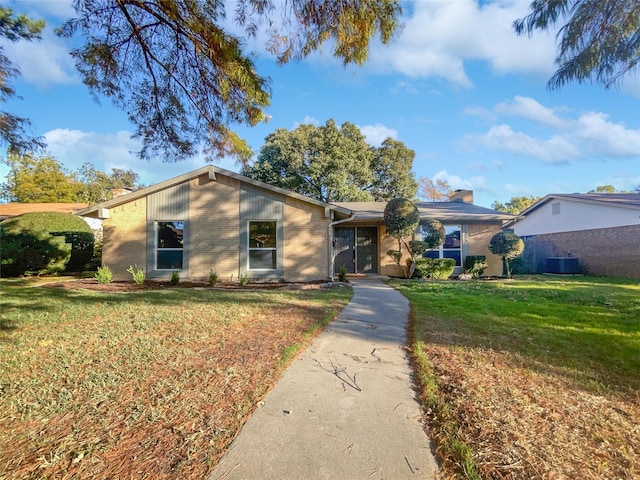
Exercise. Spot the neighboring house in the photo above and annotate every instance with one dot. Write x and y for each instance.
(8, 210)
(601, 230)
(212, 219)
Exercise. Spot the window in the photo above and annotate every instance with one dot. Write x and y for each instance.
(555, 208)
(452, 246)
(262, 246)
(169, 245)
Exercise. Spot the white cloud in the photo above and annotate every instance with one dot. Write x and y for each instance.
(458, 183)
(60, 9)
(529, 108)
(116, 150)
(440, 36)
(43, 62)
(591, 135)
(307, 120)
(518, 190)
(604, 138)
(378, 133)
(503, 138)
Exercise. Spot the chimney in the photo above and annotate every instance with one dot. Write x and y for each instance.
(463, 196)
(118, 192)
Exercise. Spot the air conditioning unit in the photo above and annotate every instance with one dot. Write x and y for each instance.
(566, 265)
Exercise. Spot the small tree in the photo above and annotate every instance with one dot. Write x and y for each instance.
(401, 217)
(508, 246)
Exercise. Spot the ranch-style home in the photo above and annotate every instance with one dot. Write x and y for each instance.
(212, 219)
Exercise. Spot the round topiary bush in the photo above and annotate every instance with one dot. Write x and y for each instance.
(44, 242)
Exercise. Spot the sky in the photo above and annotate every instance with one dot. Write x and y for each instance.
(456, 85)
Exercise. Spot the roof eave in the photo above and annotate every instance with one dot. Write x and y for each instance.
(211, 171)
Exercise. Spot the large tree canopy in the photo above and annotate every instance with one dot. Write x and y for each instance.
(600, 40)
(515, 205)
(184, 77)
(14, 129)
(34, 179)
(334, 164)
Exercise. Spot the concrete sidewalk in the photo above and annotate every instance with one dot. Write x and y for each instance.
(345, 408)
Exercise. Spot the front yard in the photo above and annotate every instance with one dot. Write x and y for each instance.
(146, 384)
(531, 378)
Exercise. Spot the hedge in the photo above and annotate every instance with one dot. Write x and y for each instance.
(44, 242)
(434, 268)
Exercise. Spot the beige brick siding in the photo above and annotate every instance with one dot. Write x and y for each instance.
(125, 237)
(478, 238)
(387, 265)
(214, 227)
(305, 249)
(611, 252)
(476, 243)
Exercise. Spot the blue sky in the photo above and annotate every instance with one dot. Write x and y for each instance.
(456, 85)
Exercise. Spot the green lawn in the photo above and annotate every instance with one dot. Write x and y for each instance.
(519, 373)
(146, 384)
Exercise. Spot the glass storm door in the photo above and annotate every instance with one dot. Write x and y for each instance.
(366, 249)
(344, 248)
(357, 249)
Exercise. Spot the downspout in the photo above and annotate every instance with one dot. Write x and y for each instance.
(330, 241)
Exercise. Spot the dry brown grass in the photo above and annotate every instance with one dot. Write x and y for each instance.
(535, 378)
(150, 384)
(523, 423)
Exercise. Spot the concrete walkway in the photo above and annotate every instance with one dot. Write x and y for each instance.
(345, 408)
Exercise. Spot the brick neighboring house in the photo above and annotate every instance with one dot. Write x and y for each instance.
(601, 229)
(214, 219)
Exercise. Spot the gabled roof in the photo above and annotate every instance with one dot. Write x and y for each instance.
(443, 211)
(628, 200)
(13, 209)
(211, 171)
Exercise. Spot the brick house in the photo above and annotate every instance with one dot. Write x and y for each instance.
(600, 230)
(214, 219)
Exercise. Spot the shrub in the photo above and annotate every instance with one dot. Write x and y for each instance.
(213, 278)
(475, 265)
(175, 277)
(137, 273)
(434, 268)
(508, 245)
(244, 278)
(44, 242)
(103, 275)
(342, 274)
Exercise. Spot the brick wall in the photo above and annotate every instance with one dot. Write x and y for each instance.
(305, 248)
(125, 245)
(478, 238)
(476, 243)
(215, 228)
(612, 252)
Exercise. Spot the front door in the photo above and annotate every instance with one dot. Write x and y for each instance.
(356, 248)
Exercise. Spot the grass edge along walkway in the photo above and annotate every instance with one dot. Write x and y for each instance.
(499, 400)
(150, 384)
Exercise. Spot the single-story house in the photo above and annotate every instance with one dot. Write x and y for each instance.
(600, 230)
(212, 219)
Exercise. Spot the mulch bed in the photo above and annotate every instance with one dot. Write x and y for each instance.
(128, 286)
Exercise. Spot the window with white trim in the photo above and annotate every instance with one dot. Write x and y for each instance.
(169, 245)
(262, 245)
(452, 246)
